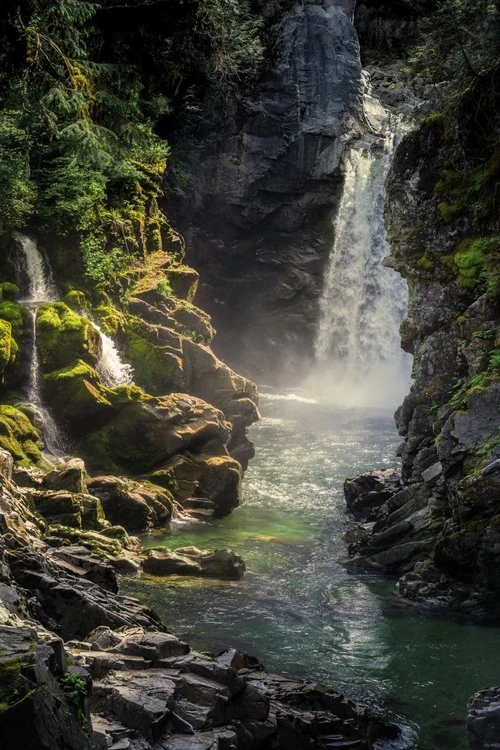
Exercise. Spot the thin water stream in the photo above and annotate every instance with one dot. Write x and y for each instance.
(297, 608)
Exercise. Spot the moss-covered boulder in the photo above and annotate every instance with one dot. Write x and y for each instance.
(146, 433)
(131, 504)
(155, 353)
(183, 281)
(63, 336)
(78, 397)
(8, 290)
(5, 345)
(18, 436)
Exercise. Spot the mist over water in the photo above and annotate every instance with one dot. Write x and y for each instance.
(358, 357)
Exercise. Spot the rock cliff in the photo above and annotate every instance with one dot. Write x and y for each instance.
(259, 220)
(439, 527)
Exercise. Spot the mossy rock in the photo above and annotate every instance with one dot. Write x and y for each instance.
(5, 345)
(76, 300)
(63, 336)
(100, 544)
(15, 314)
(80, 398)
(155, 354)
(19, 436)
(110, 318)
(8, 290)
(183, 281)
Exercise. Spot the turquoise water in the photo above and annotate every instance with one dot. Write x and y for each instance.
(297, 609)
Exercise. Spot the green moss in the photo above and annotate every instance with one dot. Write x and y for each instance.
(106, 547)
(5, 344)
(15, 315)
(425, 262)
(8, 291)
(64, 336)
(13, 686)
(477, 260)
(76, 300)
(18, 436)
(165, 478)
(110, 319)
(183, 281)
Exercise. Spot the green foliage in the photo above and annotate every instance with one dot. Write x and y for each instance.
(478, 261)
(164, 288)
(464, 388)
(494, 359)
(460, 38)
(75, 688)
(85, 87)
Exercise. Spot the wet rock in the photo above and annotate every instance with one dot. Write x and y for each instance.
(483, 720)
(131, 504)
(370, 490)
(265, 192)
(191, 561)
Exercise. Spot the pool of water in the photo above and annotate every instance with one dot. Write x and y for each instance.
(297, 608)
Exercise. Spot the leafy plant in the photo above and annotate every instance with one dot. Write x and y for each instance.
(74, 687)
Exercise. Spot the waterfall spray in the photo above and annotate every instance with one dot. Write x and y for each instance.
(111, 368)
(358, 356)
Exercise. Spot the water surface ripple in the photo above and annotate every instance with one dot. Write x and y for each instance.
(297, 608)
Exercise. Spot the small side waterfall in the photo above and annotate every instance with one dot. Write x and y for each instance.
(40, 288)
(359, 361)
(111, 368)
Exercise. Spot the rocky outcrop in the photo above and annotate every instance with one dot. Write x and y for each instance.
(152, 688)
(483, 720)
(120, 679)
(265, 191)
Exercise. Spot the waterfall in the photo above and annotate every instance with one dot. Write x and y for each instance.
(35, 272)
(34, 268)
(111, 368)
(358, 358)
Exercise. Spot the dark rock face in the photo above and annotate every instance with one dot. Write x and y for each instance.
(483, 720)
(259, 223)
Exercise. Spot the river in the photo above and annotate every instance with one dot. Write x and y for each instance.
(297, 608)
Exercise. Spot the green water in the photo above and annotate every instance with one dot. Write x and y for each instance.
(297, 608)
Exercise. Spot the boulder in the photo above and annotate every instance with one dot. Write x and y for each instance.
(191, 561)
(68, 476)
(131, 504)
(6, 465)
(483, 720)
(18, 436)
(63, 336)
(370, 490)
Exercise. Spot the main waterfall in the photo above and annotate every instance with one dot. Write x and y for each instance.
(358, 356)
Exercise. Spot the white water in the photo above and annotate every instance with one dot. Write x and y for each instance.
(111, 368)
(40, 289)
(359, 361)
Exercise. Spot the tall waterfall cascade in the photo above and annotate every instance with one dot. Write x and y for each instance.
(358, 358)
(111, 368)
(37, 281)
